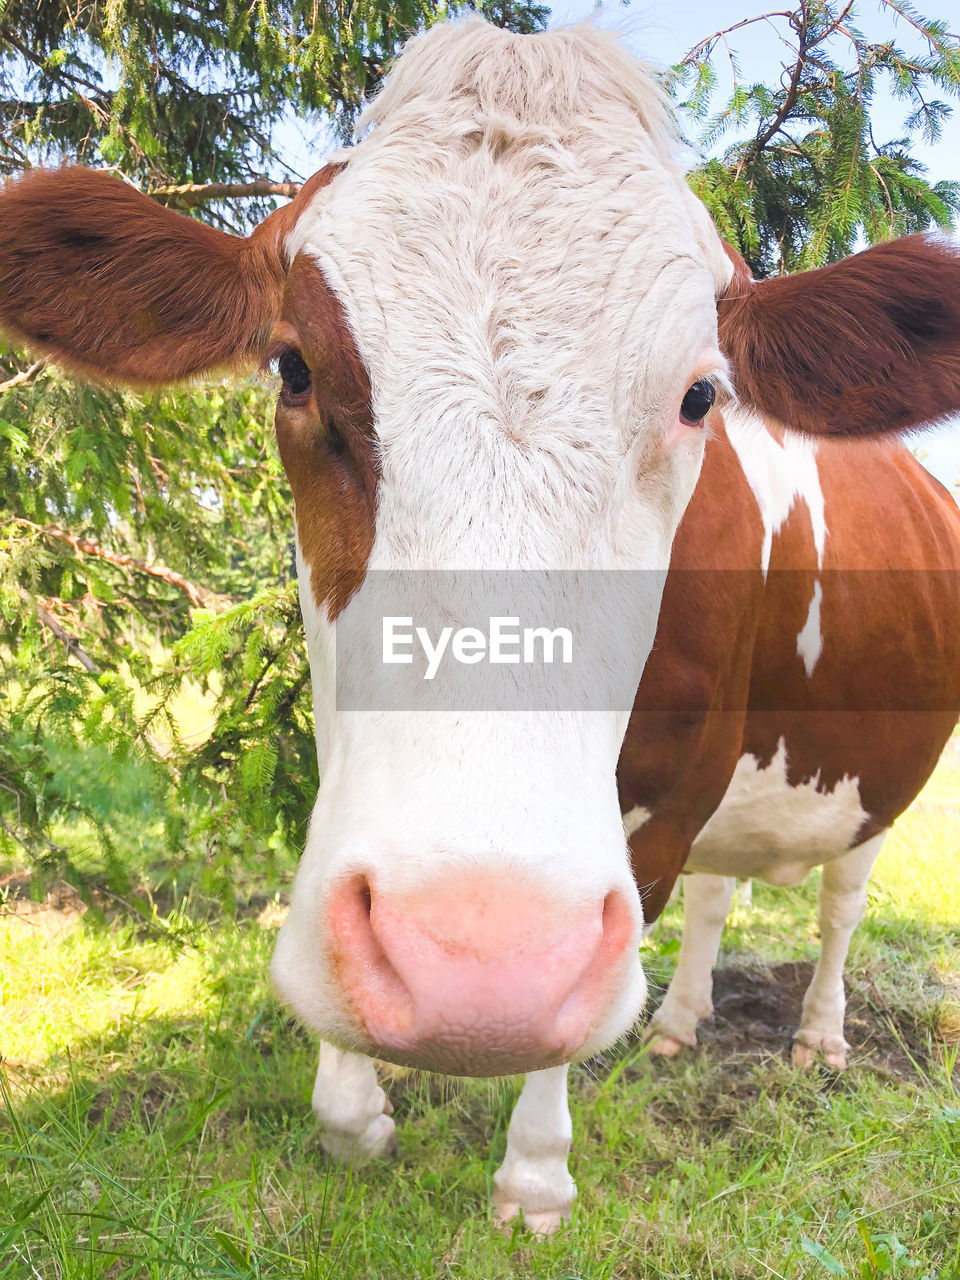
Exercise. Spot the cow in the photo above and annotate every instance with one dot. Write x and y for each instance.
(804, 681)
(509, 337)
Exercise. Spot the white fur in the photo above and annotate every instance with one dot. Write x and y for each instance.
(689, 998)
(635, 818)
(534, 1176)
(531, 286)
(778, 475)
(350, 1106)
(810, 639)
(743, 894)
(843, 897)
(767, 828)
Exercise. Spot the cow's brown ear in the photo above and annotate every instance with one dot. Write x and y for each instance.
(117, 287)
(862, 347)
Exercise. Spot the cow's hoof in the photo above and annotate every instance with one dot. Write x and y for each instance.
(809, 1044)
(670, 1046)
(543, 1196)
(673, 1026)
(539, 1222)
(378, 1139)
(670, 1034)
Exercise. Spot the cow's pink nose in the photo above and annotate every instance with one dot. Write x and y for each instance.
(483, 975)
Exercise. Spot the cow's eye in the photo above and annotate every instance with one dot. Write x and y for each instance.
(698, 402)
(294, 371)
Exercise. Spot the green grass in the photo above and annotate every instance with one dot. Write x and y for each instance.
(157, 1121)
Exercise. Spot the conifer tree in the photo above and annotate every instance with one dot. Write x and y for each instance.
(190, 92)
(803, 178)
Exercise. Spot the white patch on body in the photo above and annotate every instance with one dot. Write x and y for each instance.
(810, 639)
(635, 818)
(778, 474)
(766, 828)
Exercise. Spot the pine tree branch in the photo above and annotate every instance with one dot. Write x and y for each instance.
(290, 697)
(200, 597)
(907, 17)
(789, 101)
(24, 377)
(56, 73)
(886, 192)
(252, 693)
(799, 20)
(188, 195)
(697, 52)
(69, 642)
(27, 842)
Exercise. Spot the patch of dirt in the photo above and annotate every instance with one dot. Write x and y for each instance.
(757, 1010)
(149, 1097)
(51, 919)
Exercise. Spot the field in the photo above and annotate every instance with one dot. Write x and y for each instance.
(157, 1123)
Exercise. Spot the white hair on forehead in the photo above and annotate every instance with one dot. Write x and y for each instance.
(550, 82)
(529, 281)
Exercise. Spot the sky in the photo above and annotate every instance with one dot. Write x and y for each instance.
(662, 33)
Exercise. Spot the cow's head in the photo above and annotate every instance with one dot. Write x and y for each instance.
(496, 320)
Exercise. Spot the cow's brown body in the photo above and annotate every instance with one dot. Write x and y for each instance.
(725, 679)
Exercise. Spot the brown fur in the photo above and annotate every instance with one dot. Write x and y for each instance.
(686, 727)
(333, 474)
(121, 289)
(867, 345)
(725, 679)
(117, 287)
(881, 703)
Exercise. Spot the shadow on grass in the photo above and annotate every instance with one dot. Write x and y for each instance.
(184, 1145)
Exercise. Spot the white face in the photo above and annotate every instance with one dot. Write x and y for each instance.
(531, 289)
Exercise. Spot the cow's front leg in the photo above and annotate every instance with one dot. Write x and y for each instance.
(689, 998)
(534, 1177)
(352, 1108)
(843, 896)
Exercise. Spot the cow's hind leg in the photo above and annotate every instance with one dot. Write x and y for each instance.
(843, 896)
(534, 1177)
(689, 998)
(352, 1108)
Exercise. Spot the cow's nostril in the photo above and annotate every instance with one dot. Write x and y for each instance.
(361, 960)
(353, 919)
(617, 923)
(603, 962)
